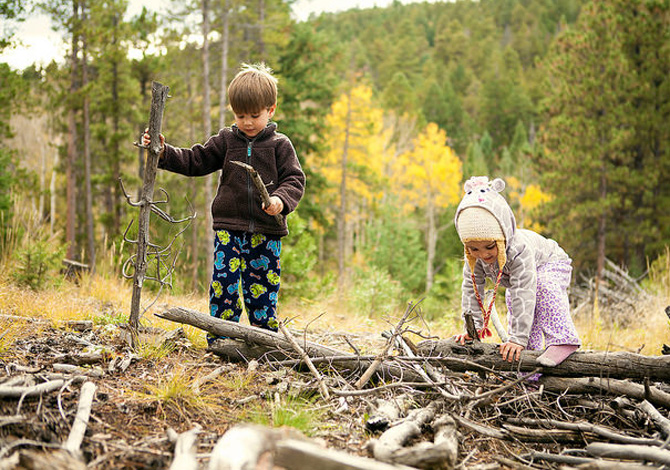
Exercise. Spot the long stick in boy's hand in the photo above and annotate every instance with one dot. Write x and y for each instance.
(258, 182)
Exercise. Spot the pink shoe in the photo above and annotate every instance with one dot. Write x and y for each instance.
(556, 354)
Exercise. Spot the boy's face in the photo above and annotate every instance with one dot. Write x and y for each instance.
(487, 250)
(251, 124)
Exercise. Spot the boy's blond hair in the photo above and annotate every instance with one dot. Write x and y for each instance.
(253, 89)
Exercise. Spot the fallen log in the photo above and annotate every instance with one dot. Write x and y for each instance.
(268, 342)
(616, 365)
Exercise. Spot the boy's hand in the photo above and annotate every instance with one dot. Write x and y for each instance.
(511, 351)
(146, 140)
(275, 207)
(462, 338)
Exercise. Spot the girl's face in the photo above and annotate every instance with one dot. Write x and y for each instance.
(253, 123)
(487, 250)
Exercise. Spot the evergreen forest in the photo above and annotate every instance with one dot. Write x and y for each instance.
(390, 111)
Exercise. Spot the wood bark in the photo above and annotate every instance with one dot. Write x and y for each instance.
(617, 365)
(159, 95)
(269, 342)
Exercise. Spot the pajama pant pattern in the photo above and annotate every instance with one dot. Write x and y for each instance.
(248, 263)
(552, 323)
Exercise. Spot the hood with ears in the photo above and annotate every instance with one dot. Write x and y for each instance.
(485, 194)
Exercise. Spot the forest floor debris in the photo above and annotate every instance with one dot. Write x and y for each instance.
(147, 399)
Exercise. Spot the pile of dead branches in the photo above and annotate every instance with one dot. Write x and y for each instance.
(442, 405)
(435, 405)
(618, 294)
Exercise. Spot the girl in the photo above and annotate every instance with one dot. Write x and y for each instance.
(535, 271)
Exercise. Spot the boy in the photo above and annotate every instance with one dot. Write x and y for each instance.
(247, 241)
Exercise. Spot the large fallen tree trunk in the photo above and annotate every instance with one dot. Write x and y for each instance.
(261, 342)
(616, 365)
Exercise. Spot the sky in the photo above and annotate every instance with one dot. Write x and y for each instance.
(39, 44)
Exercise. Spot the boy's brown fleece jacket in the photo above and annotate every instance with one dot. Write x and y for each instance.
(237, 205)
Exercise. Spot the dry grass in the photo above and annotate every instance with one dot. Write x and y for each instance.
(108, 300)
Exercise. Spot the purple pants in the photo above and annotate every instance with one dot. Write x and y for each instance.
(552, 323)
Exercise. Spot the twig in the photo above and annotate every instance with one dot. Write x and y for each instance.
(323, 388)
(379, 359)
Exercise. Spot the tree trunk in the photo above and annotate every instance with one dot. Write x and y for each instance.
(223, 95)
(207, 129)
(342, 216)
(116, 151)
(261, 29)
(431, 243)
(90, 230)
(193, 184)
(266, 343)
(70, 171)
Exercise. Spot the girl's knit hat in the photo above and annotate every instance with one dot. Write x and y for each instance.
(475, 223)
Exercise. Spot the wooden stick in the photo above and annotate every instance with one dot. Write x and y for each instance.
(661, 422)
(80, 423)
(159, 95)
(323, 388)
(200, 381)
(629, 452)
(585, 427)
(260, 186)
(17, 392)
(380, 358)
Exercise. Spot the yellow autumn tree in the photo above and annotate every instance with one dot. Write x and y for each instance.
(524, 198)
(428, 178)
(353, 166)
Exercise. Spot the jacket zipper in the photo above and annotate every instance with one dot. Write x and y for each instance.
(250, 189)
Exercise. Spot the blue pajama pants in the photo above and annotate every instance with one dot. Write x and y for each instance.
(249, 264)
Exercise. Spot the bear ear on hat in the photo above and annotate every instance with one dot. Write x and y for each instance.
(475, 181)
(497, 185)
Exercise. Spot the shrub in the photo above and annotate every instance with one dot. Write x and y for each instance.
(38, 263)
(374, 292)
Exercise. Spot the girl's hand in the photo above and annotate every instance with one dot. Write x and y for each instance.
(275, 207)
(511, 351)
(462, 338)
